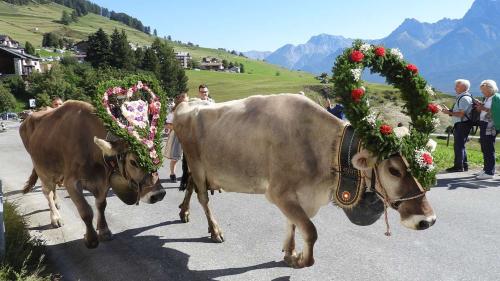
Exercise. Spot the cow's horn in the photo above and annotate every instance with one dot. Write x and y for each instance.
(105, 146)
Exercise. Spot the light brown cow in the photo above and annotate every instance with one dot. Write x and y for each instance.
(67, 146)
(282, 146)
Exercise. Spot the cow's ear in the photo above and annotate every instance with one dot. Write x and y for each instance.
(364, 160)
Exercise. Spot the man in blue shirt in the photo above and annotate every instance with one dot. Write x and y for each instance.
(460, 114)
(337, 110)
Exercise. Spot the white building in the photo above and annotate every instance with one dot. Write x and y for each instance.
(183, 58)
(16, 62)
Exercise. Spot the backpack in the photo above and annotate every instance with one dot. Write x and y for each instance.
(495, 110)
(474, 117)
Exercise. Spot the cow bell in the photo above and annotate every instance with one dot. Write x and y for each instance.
(367, 211)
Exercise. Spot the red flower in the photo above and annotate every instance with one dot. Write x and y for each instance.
(413, 68)
(357, 56)
(357, 94)
(427, 158)
(433, 108)
(380, 51)
(386, 129)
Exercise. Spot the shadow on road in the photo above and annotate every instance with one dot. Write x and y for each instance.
(469, 182)
(150, 259)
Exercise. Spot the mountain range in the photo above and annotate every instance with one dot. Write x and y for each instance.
(444, 51)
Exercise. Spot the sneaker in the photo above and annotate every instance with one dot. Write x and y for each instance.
(479, 173)
(484, 176)
(454, 170)
(173, 178)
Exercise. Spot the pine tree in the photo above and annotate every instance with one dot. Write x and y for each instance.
(150, 61)
(242, 68)
(65, 18)
(138, 57)
(121, 53)
(98, 52)
(74, 16)
(29, 49)
(155, 33)
(172, 76)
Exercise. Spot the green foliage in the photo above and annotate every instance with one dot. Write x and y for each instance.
(7, 100)
(150, 61)
(121, 53)
(171, 75)
(24, 256)
(98, 52)
(357, 109)
(66, 18)
(138, 148)
(242, 68)
(28, 47)
(51, 39)
(16, 86)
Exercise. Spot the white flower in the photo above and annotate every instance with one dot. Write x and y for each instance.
(397, 53)
(424, 159)
(136, 135)
(365, 48)
(431, 145)
(139, 85)
(429, 90)
(400, 132)
(148, 143)
(356, 73)
(153, 154)
(435, 122)
(371, 119)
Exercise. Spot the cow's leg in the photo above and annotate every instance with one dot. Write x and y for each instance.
(213, 228)
(289, 205)
(56, 199)
(289, 244)
(49, 190)
(184, 206)
(75, 191)
(102, 226)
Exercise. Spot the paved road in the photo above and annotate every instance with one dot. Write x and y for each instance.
(150, 243)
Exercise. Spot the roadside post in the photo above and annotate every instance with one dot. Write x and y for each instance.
(2, 225)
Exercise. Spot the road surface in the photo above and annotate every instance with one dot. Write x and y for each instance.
(150, 243)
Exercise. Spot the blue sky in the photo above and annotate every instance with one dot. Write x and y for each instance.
(267, 25)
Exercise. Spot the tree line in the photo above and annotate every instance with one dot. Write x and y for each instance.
(83, 7)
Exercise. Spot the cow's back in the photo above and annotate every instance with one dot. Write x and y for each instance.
(245, 145)
(60, 141)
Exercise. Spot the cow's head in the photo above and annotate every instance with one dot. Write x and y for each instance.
(394, 180)
(131, 180)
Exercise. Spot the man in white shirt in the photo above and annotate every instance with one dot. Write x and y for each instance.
(461, 114)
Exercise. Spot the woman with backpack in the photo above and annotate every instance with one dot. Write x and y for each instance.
(488, 131)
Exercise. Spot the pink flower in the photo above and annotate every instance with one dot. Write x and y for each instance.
(356, 56)
(427, 158)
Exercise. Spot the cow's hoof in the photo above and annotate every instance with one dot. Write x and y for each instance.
(90, 243)
(105, 235)
(184, 216)
(56, 223)
(217, 237)
(298, 261)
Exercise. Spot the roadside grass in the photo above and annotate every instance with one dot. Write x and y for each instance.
(24, 256)
(444, 155)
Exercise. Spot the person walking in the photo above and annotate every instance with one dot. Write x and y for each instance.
(173, 149)
(488, 131)
(460, 114)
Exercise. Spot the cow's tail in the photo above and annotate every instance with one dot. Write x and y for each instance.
(30, 184)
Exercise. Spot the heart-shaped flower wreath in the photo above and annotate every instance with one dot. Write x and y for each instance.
(132, 110)
(377, 136)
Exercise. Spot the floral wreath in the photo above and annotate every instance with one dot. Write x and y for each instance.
(132, 111)
(377, 136)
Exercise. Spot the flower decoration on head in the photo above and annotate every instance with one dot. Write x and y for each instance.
(133, 113)
(380, 51)
(412, 68)
(357, 56)
(378, 136)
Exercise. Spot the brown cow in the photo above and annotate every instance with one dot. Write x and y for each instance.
(67, 146)
(283, 146)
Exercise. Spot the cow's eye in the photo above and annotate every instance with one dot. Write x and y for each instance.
(394, 172)
(133, 163)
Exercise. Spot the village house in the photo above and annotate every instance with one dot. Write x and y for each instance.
(6, 41)
(184, 58)
(13, 59)
(211, 63)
